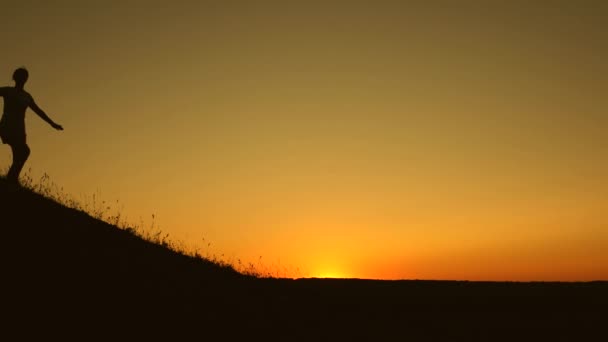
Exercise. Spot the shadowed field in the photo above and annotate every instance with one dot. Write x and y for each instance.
(68, 275)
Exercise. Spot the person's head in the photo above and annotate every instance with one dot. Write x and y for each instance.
(20, 76)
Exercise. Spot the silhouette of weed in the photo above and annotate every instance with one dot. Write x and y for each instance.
(111, 213)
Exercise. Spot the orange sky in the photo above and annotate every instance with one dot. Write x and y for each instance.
(371, 139)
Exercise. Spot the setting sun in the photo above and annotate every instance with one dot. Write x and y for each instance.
(331, 274)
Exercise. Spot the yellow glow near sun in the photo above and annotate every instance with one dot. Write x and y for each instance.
(331, 273)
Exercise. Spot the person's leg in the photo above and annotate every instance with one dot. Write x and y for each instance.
(20, 154)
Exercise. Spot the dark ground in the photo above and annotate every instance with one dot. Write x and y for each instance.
(68, 276)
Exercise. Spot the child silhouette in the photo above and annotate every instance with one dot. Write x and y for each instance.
(12, 124)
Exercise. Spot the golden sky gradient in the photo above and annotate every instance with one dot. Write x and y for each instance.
(369, 139)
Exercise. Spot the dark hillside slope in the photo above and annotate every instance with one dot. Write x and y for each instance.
(51, 239)
(54, 256)
(65, 272)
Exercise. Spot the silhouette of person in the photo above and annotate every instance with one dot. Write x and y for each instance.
(12, 124)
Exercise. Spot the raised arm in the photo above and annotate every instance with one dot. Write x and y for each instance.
(43, 115)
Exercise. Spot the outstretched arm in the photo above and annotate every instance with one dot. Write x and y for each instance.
(43, 116)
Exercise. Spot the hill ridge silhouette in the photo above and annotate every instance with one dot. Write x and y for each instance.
(68, 271)
(32, 220)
